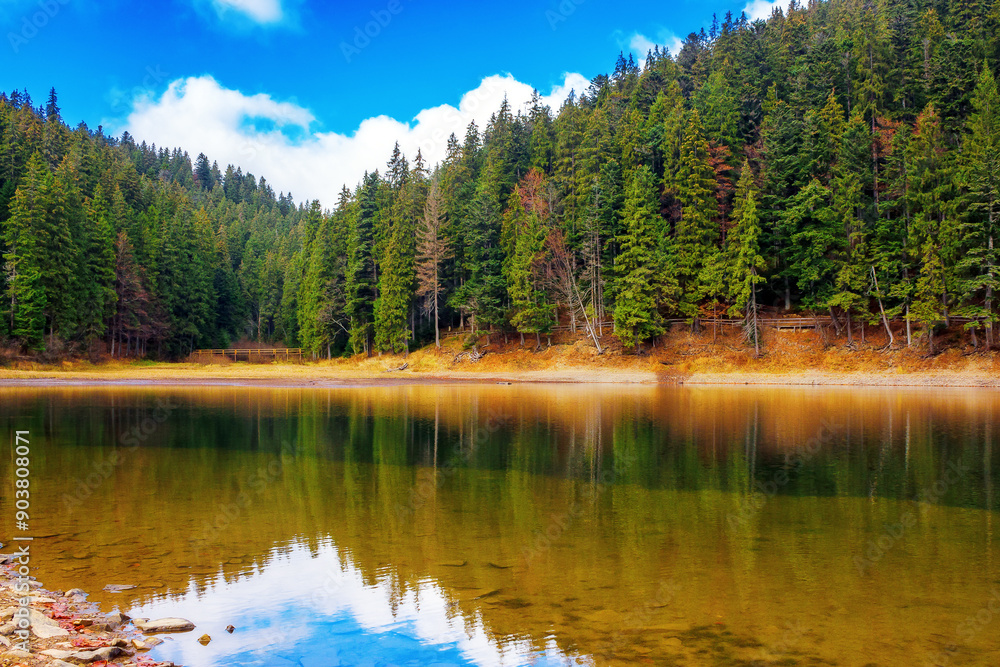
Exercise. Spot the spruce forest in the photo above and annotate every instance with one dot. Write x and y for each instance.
(839, 158)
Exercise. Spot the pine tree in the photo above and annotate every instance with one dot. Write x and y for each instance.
(696, 232)
(743, 256)
(981, 179)
(636, 317)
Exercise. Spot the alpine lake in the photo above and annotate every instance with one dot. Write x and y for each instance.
(465, 524)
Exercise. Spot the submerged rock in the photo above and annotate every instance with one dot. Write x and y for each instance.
(204, 639)
(118, 588)
(163, 625)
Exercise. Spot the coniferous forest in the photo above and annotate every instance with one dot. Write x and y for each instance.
(839, 158)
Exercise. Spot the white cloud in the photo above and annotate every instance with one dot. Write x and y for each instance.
(640, 45)
(275, 139)
(762, 9)
(261, 11)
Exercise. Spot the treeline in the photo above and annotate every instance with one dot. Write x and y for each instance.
(841, 157)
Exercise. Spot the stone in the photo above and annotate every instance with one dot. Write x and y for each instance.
(7, 629)
(164, 625)
(5, 641)
(105, 653)
(7, 613)
(204, 639)
(114, 621)
(58, 654)
(76, 591)
(38, 618)
(118, 588)
(41, 599)
(62, 663)
(48, 631)
(230, 629)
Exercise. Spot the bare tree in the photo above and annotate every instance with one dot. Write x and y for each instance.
(562, 281)
(432, 251)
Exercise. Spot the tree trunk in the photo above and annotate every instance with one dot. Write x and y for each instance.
(850, 328)
(989, 292)
(881, 307)
(909, 329)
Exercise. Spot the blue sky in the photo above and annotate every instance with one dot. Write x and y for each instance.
(297, 91)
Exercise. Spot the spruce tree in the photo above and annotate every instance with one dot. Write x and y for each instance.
(636, 316)
(743, 258)
(980, 171)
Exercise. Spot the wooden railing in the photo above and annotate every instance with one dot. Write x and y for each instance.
(779, 323)
(236, 354)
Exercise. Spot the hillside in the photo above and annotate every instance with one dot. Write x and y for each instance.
(840, 158)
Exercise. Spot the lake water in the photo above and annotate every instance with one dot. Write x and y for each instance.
(526, 525)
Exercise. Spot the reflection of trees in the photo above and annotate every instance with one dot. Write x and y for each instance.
(527, 454)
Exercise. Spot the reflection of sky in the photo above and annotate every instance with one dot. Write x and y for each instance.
(316, 611)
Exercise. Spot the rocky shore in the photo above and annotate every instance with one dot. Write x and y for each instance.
(68, 631)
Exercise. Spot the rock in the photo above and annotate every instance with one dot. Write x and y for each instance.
(164, 625)
(230, 629)
(58, 654)
(7, 614)
(106, 653)
(5, 641)
(118, 588)
(44, 627)
(62, 663)
(41, 599)
(204, 639)
(673, 642)
(152, 641)
(7, 629)
(76, 591)
(114, 621)
(48, 631)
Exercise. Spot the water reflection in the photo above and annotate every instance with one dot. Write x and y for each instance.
(314, 606)
(606, 526)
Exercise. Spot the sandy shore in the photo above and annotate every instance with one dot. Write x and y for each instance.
(326, 376)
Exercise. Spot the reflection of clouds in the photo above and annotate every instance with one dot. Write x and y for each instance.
(298, 601)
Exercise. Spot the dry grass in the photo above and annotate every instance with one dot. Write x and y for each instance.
(805, 357)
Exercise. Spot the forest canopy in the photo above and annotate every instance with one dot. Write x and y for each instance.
(839, 157)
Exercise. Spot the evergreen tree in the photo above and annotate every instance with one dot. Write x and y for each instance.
(743, 256)
(981, 180)
(636, 317)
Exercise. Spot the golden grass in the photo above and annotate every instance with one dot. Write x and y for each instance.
(788, 358)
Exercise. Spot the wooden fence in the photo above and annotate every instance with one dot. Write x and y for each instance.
(276, 354)
(779, 323)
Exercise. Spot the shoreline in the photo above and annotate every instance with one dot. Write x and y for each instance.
(319, 377)
(67, 629)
